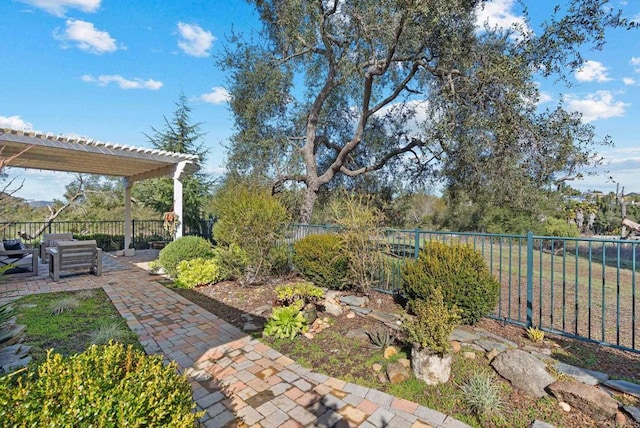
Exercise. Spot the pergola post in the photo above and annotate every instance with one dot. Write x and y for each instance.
(177, 197)
(127, 212)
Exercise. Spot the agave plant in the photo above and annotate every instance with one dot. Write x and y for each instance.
(380, 338)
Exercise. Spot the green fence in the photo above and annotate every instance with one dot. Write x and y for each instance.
(579, 287)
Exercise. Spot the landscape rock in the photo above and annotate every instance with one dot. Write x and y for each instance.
(249, 326)
(310, 313)
(15, 364)
(484, 333)
(262, 310)
(198, 375)
(354, 300)
(524, 371)
(564, 406)
(543, 351)
(389, 352)
(332, 308)
(624, 386)
(382, 378)
(308, 335)
(397, 373)
(469, 355)
(492, 354)
(463, 336)
(489, 345)
(589, 377)
(585, 398)
(540, 424)
(455, 346)
(359, 310)
(351, 315)
(376, 367)
(430, 367)
(357, 333)
(621, 419)
(405, 362)
(634, 412)
(383, 316)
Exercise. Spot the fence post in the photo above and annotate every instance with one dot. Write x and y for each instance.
(416, 248)
(529, 279)
(133, 232)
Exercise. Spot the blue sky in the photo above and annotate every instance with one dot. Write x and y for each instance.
(110, 69)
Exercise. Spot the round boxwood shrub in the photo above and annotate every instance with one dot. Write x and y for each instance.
(185, 248)
(461, 273)
(321, 260)
(195, 272)
(105, 386)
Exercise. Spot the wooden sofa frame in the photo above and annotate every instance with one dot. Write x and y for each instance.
(50, 240)
(74, 256)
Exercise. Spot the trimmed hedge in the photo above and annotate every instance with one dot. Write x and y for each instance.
(461, 273)
(321, 260)
(185, 248)
(104, 386)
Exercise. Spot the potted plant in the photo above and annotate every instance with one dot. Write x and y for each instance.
(429, 333)
(131, 251)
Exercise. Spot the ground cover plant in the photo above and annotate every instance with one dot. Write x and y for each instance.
(73, 329)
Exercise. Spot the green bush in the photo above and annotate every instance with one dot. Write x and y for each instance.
(433, 323)
(251, 218)
(194, 272)
(286, 322)
(462, 274)
(560, 227)
(278, 260)
(103, 386)
(104, 241)
(232, 261)
(320, 259)
(300, 291)
(185, 248)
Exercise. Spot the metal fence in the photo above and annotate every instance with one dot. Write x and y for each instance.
(578, 287)
(110, 234)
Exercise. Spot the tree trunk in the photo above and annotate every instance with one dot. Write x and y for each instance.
(309, 201)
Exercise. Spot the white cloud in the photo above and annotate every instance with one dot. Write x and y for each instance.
(592, 71)
(498, 14)
(599, 105)
(86, 37)
(635, 61)
(59, 7)
(629, 81)
(194, 40)
(123, 83)
(15, 122)
(218, 95)
(545, 97)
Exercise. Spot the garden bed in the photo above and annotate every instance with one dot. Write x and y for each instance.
(332, 352)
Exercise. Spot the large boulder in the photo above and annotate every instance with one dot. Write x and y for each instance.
(587, 399)
(524, 371)
(430, 367)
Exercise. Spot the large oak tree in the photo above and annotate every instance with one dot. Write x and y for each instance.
(414, 88)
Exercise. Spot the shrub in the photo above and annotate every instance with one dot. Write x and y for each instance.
(462, 274)
(194, 272)
(320, 259)
(278, 260)
(300, 291)
(286, 322)
(360, 239)
(103, 386)
(185, 248)
(232, 261)
(433, 323)
(251, 218)
(560, 227)
(535, 335)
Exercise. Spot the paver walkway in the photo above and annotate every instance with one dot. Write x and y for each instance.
(237, 379)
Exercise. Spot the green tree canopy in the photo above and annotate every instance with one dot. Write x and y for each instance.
(178, 135)
(412, 89)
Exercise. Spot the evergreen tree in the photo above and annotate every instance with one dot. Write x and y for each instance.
(181, 136)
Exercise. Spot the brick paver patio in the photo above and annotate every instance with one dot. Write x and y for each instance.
(236, 379)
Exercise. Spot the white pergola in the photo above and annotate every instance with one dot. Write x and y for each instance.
(79, 155)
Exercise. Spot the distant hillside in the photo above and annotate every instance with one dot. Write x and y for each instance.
(38, 204)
